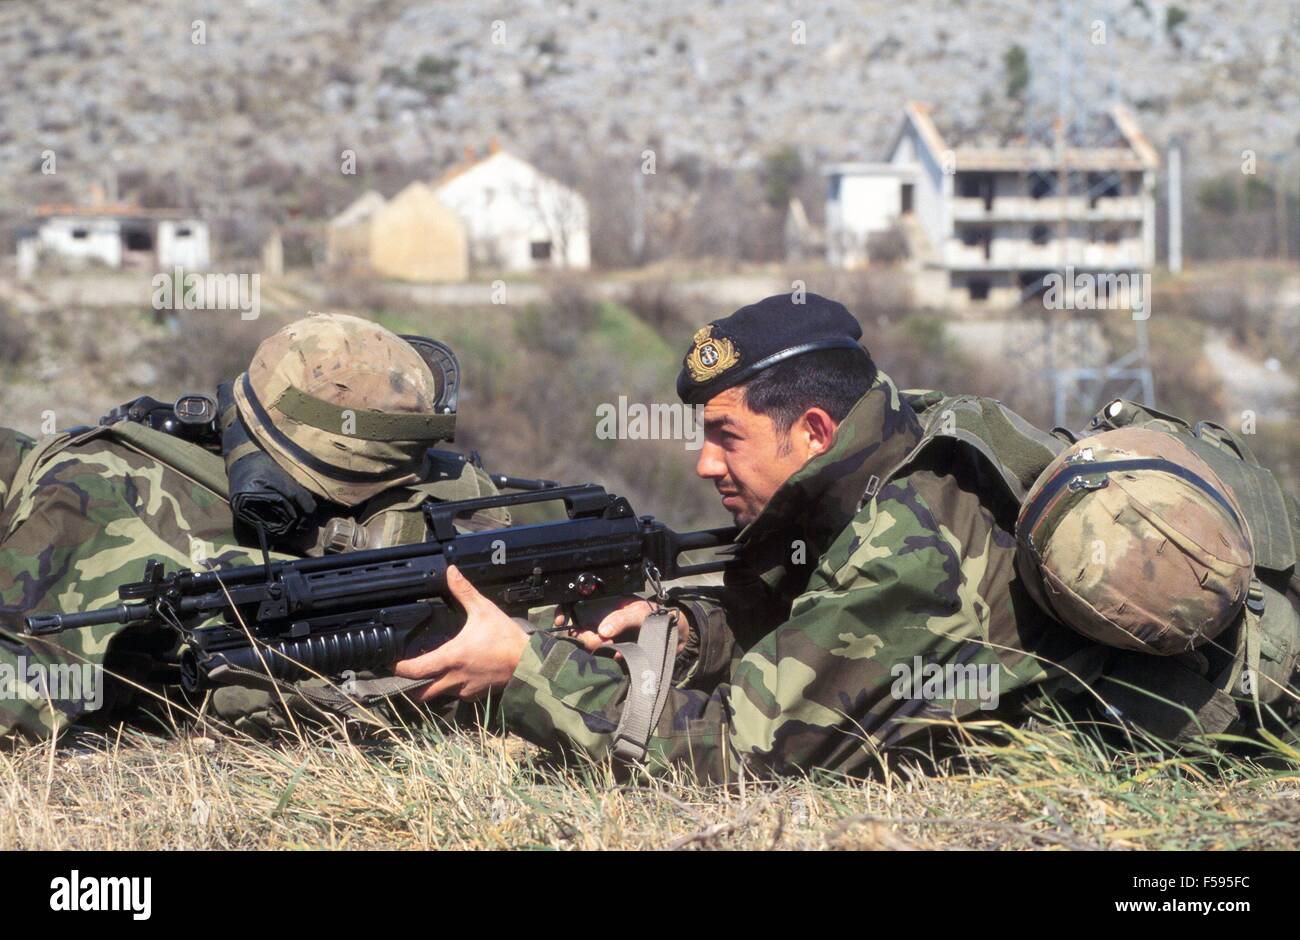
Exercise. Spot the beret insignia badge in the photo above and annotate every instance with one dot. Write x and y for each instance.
(710, 356)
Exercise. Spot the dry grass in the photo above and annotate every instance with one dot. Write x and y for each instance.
(1044, 787)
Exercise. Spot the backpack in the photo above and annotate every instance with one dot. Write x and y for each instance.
(1173, 697)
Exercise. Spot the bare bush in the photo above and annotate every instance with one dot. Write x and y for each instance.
(556, 328)
(16, 338)
(869, 294)
(206, 348)
(918, 351)
(657, 302)
(610, 185)
(730, 220)
(571, 300)
(888, 247)
(357, 294)
(304, 246)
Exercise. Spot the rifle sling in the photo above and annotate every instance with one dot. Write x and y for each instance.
(649, 662)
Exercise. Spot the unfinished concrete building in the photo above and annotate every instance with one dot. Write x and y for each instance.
(985, 223)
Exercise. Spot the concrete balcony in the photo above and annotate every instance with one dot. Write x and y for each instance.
(1008, 254)
(1050, 209)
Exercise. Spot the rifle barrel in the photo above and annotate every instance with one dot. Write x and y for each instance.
(39, 624)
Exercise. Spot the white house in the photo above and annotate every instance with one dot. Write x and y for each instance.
(516, 217)
(991, 222)
(863, 200)
(115, 236)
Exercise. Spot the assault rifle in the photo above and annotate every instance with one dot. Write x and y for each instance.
(364, 610)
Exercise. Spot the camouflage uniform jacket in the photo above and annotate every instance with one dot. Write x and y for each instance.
(86, 521)
(816, 651)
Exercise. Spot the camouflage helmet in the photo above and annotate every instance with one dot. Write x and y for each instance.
(1132, 540)
(344, 406)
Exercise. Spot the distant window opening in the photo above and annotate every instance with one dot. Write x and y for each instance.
(183, 232)
(973, 235)
(905, 207)
(978, 290)
(833, 187)
(1040, 234)
(976, 186)
(1104, 186)
(1103, 291)
(1041, 186)
(1111, 234)
(139, 241)
(541, 251)
(1032, 284)
(80, 233)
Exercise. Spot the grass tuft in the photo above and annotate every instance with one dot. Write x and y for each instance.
(1050, 785)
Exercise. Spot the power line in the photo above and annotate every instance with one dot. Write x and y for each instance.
(1078, 369)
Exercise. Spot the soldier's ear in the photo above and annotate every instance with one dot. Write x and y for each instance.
(819, 427)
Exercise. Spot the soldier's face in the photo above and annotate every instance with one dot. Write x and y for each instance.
(746, 457)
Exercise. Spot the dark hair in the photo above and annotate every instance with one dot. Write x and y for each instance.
(830, 379)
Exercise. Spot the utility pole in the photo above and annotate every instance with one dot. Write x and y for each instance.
(1061, 136)
(1088, 371)
(1279, 201)
(1175, 159)
(637, 240)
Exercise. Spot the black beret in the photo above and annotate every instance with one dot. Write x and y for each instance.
(734, 349)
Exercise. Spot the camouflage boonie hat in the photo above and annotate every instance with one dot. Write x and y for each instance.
(1132, 540)
(346, 407)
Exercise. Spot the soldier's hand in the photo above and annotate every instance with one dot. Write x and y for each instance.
(600, 623)
(480, 658)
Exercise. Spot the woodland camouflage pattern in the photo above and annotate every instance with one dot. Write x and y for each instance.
(85, 525)
(801, 659)
(87, 522)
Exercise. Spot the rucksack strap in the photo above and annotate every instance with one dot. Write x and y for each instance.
(1013, 449)
(1166, 698)
(188, 459)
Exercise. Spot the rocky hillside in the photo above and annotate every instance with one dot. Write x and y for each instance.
(235, 104)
